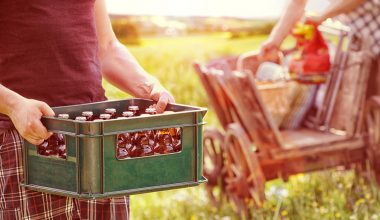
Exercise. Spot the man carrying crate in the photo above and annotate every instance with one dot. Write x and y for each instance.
(54, 53)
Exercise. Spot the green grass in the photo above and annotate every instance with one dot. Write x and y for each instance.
(331, 194)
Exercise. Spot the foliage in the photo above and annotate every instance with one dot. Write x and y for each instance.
(330, 194)
(127, 30)
(131, 27)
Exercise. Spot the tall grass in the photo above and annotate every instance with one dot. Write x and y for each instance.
(331, 194)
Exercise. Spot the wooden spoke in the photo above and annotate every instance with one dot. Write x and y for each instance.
(213, 165)
(373, 128)
(245, 180)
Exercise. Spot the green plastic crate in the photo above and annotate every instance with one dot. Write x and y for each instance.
(92, 170)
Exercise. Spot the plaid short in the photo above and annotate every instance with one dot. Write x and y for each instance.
(19, 203)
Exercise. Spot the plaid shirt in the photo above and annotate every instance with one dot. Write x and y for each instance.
(19, 203)
(365, 20)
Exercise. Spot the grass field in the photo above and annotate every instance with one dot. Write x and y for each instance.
(331, 194)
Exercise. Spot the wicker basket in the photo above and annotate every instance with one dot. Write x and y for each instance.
(277, 97)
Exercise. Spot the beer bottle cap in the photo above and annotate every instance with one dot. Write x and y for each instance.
(133, 108)
(87, 113)
(80, 118)
(63, 116)
(150, 111)
(110, 110)
(128, 114)
(105, 116)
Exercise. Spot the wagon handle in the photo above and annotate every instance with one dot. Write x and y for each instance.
(251, 54)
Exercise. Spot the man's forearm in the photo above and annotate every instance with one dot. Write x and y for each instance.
(293, 13)
(121, 69)
(8, 100)
(339, 7)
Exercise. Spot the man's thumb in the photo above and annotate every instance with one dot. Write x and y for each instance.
(46, 110)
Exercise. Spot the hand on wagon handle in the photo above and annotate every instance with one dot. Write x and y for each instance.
(269, 51)
(26, 117)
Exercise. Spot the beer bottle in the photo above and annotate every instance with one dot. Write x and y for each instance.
(134, 108)
(89, 115)
(112, 112)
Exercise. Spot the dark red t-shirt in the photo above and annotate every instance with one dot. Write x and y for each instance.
(48, 51)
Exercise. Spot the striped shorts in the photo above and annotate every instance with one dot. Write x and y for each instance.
(17, 202)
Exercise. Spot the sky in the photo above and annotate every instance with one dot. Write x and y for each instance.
(233, 8)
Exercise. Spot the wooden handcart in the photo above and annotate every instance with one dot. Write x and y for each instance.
(250, 149)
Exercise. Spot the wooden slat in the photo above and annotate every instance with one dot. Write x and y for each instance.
(243, 92)
(220, 95)
(275, 168)
(237, 118)
(352, 92)
(359, 128)
(308, 137)
(341, 145)
(218, 107)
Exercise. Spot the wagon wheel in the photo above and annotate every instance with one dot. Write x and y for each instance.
(245, 181)
(373, 126)
(213, 148)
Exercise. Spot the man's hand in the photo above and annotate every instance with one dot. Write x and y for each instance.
(162, 96)
(269, 50)
(315, 19)
(26, 117)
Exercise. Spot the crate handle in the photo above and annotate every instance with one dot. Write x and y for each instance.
(49, 122)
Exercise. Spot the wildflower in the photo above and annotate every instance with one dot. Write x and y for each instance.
(278, 192)
(359, 201)
(340, 186)
(353, 217)
(338, 215)
(323, 210)
(367, 196)
(348, 186)
(284, 213)
(301, 178)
